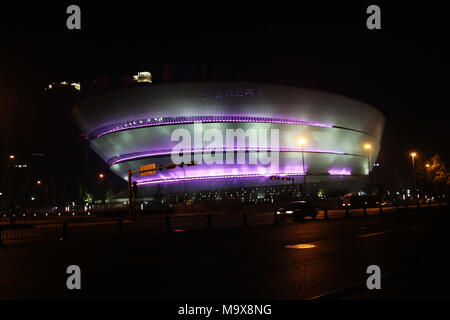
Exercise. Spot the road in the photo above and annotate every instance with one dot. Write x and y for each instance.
(52, 226)
(242, 263)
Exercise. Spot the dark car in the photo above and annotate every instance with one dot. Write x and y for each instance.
(298, 210)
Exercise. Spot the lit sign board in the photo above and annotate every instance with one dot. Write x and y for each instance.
(146, 167)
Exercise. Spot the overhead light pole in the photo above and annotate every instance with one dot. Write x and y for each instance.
(368, 147)
(10, 179)
(103, 187)
(413, 156)
(302, 142)
(39, 182)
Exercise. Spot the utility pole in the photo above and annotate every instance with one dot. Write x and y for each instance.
(304, 173)
(302, 142)
(413, 155)
(169, 166)
(368, 147)
(130, 195)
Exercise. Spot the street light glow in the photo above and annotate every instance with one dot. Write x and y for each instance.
(39, 182)
(367, 146)
(101, 175)
(413, 154)
(12, 156)
(302, 141)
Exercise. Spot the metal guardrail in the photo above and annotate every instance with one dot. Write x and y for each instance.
(169, 223)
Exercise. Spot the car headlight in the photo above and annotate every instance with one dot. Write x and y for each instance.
(289, 211)
(278, 212)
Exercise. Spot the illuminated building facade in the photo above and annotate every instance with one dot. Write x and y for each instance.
(319, 134)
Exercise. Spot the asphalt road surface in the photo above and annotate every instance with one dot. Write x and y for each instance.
(259, 262)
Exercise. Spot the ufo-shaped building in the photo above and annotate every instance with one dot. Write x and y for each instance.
(236, 133)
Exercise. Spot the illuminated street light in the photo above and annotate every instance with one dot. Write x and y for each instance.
(39, 182)
(427, 165)
(11, 156)
(368, 147)
(302, 142)
(101, 175)
(413, 155)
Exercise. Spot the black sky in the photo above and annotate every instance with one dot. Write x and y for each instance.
(402, 69)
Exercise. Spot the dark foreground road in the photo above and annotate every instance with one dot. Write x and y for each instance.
(411, 249)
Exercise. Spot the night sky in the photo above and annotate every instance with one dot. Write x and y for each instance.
(402, 69)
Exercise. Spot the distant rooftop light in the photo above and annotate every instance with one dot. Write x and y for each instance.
(76, 85)
(143, 77)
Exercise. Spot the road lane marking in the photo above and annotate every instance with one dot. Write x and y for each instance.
(367, 235)
(373, 234)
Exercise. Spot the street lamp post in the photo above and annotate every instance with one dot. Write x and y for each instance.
(184, 183)
(102, 177)
(413, 155)
(302, 142)
(39, 182)
(130, 195)
(368, 147)
(10, 180)
(427, 171)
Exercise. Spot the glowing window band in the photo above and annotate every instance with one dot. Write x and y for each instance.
(235, 176)
(167, 152)
(339, 172)
(151, 122)
(227, 176)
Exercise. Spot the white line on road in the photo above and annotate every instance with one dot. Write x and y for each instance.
(373, 234)
(385, 232)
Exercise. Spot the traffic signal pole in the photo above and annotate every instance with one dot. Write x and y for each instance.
(304, 173)
(130, 183)
(130, 195)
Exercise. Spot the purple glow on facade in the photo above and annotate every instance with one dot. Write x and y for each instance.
(151, 122)
(237, 134)
(167, 152)
(227, 176)
(339, 172)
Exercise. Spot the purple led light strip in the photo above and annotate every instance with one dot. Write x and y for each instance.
(228, 176)
(235, 176)
(151, 122)
(166, 152)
